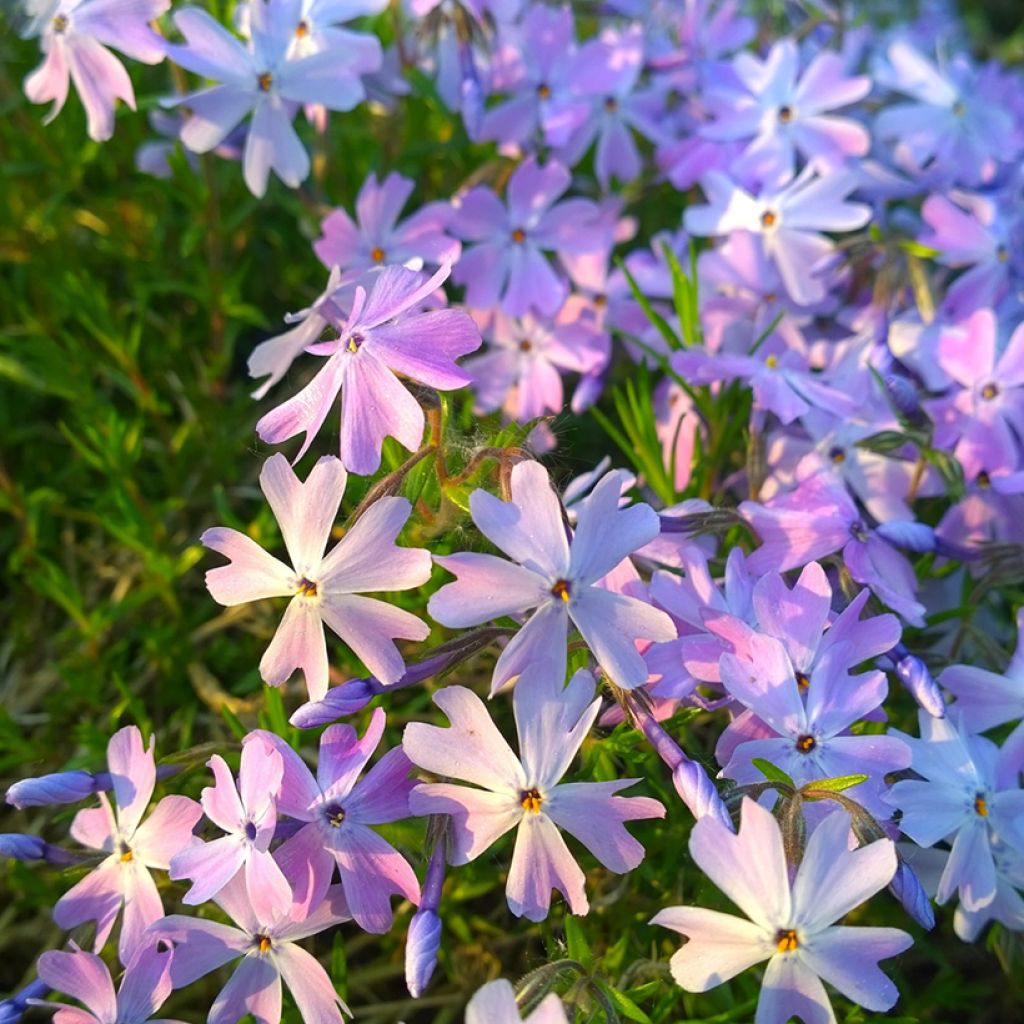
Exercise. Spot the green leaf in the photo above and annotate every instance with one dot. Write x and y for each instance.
(772, 772)
(624, 1004)
(576, 941)
(233, 722)
(664, 329)
(835, 785)
(886, 441)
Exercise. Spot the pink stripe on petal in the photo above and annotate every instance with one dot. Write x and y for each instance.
(133, 771)
(541, 862)
(298, 644)
(83, 976)
(252, 574)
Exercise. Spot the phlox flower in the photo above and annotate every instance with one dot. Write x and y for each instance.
(269, 954)
(521, 369)
(790, 922)
(525, 792)
(267, 81)
(554, 576)
(383, 335)
(338, 809)
(75, 38)
(248, 814)
(132, 845)
(506, 262)
(782, 112)
(789, 220)
(323, 588)
(376, 237)
(969, 794)
(495, 1003)
(983, 419)
(954, 124)
(809, 719)
(84, 976)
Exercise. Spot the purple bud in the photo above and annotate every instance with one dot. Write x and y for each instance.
(913, 673)
(17, 846)
(13, 1007)
(692, 784)
(424, 937)
(58, 788)
(340, 701)
(906, 887)
(903, 395)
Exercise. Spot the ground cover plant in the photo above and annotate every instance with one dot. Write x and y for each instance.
(512, 511)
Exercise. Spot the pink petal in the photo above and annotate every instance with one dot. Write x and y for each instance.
(541, 862)
(259, 779)
(720, 947)
(95, 827)
(252, 574)
(254, 988)
(487, 588)
(298, 644)
(382, 796)
(310, 985)
(142, 907)
(133, 772)
(83, 976)
(97, 897)
(368, 558)
(272, 144)
(210, 865)
(478, 818)
(542, 640)
(305, 511)
(166, 831)
(100, 79)
(847, 958)
(146, 984)
(343, 756)
(471, 750)
(268, 889)
(50, 80)
(221, 802)
(424, 347)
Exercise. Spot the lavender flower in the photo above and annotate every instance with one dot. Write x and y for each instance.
(790, 923)
(525, 793)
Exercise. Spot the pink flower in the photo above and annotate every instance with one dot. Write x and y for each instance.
(132, 847)
(323, 588)
(525, 792)
(339, 809)
(250, 819)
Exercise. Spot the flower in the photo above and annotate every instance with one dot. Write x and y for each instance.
(75, 40)
(338, 810)
(268, 81)
(250, 819)
(557, 577)
(376, 238)
(380, 338)
(132, 847)
(789, 220)
(791, 924)
(269, 952)
(84, 976)
(323, 588)
(506, 263)
(968, 792)
(525, 792)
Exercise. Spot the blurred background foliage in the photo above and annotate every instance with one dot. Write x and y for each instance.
(128, 306)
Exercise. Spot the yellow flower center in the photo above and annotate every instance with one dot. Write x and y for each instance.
(377, 254)
(307, 588)
(980, 806)
(519, 236)
(561, 589)
(530, 800)
(768, 219)
(263, 943)
(544, 91)
(786, 940)
(802, 680)
(785, 115)
(60, 23)
(805, 744)
(301, 30)
(989, 391)
(771, 362)
(265, 81)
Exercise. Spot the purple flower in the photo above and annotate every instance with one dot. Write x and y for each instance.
(544, 98)
(248, 814)
(323, 588)
(556, 577)
(55, 788)
(84, 976)
(781, 113)
(339, 809)
(525, 792)
(269, 953)
(968, 793)
(495, 1003)
(376, 238)
(521, 368)
(424, 937)
(382, 337)
(790, 923)
(788, 219)
(811, 736)
(132, 847)
(506, 263)
(957, 127)
(75, 41)
(266, 80)
(984, 416)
